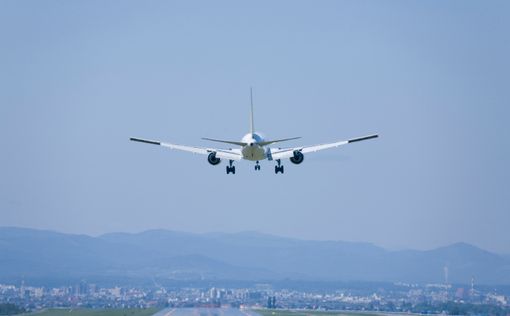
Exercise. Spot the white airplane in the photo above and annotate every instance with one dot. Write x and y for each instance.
(253, 147)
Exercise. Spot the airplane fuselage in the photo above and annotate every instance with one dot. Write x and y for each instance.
(253, 151)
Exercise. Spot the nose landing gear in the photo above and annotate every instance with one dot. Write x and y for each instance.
(279, 167)
(231, 167)
(257, 166)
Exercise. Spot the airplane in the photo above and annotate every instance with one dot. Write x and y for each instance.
(254, 147)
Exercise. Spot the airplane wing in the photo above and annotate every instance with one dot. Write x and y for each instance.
(220, 153)
(289, 152)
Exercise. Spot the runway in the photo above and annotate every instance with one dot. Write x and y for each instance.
(205, 312)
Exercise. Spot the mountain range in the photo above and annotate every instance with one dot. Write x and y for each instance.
(170, 255)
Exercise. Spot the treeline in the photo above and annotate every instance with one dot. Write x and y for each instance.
(10, 309)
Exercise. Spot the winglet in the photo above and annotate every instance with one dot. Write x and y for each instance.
(362, 138)
(147, 141)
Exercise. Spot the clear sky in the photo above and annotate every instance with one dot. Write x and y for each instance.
(78, 78)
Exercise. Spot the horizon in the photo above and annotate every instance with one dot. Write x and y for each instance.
(258, 233)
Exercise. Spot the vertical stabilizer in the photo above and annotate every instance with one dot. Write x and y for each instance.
(252, 125)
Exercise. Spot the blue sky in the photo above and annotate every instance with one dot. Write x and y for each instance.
(79, 78)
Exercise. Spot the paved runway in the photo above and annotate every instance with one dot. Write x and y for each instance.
(205, 312)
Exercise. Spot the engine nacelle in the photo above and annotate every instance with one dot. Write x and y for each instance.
(297, 158)
(212, 159)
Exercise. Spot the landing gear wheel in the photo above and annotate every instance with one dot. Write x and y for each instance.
(231, 167)
(279, 167)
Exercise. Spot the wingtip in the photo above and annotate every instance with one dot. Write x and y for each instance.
(363, 138)
(145, 141)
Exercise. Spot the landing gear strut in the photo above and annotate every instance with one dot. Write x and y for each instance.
(231, 167)
(279, 167)
(257, 166)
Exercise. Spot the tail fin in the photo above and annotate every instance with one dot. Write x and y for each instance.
(252, 125)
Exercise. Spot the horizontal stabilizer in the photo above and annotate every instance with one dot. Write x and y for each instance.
(269, 142)
(226, 141)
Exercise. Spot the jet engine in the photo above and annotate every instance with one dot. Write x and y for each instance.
(297, 158)
(212, 159)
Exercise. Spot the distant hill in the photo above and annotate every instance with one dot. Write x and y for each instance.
(243, 256)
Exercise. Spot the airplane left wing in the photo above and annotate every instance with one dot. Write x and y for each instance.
(289, 152)
(220, 153)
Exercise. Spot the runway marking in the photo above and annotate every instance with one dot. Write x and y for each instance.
(170, 312)
(245, 312)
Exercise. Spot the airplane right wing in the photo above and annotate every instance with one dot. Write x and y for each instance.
(289, 152)
(230, 154)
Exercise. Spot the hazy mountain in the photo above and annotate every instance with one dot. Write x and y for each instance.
(242, 256)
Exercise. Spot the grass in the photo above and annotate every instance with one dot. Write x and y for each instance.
(99, 312)
(266, 312)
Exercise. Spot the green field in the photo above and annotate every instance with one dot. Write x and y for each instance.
(267, 312)
(99, 312)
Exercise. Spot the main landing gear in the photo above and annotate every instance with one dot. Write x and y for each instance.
(257, 166)
(231, 167)
(279, 167)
